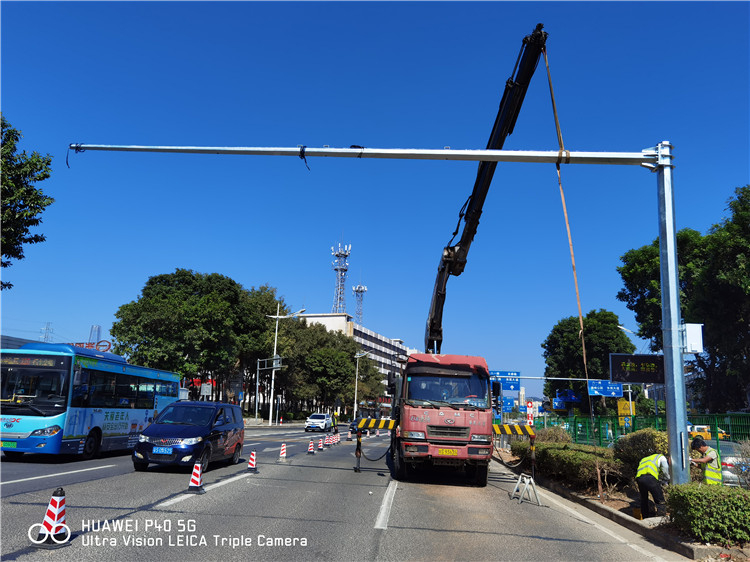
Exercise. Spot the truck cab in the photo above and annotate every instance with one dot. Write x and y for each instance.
(443, 413)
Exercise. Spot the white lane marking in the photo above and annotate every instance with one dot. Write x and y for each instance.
(385, 508)
(207, 488)
(57, 474)
(612, 534)
(250, 444)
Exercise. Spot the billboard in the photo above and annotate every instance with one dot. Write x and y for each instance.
(627, 368)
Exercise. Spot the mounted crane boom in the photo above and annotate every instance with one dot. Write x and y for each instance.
(453, 260)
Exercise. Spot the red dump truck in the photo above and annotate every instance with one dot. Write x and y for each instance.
(443, 415)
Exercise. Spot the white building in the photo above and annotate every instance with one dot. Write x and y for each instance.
(384, 351)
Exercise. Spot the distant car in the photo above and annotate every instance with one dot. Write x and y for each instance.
(187, 432)
(735, 469)
(320, 422)
(704, 432)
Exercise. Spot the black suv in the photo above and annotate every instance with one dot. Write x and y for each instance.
(187, 432)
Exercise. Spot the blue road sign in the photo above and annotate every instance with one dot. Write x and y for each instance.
(509, 380)
(558, 404)
(605, 388)
(508, 404)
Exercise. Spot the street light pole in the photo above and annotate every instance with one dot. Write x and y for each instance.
(276, 360)
(356, 380)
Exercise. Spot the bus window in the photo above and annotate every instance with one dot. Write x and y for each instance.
(145, 395)
(102, 389)
(164, 388)
(80, 398)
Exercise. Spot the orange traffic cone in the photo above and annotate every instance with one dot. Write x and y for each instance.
(282, 453)
(53, 532)
(251, 463)
(320, 444)
(196, 480)
(311, 448)
(349, 435)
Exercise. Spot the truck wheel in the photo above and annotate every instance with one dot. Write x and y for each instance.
(480, 475)
(400, 470)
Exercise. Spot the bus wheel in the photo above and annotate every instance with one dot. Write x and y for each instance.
(92, 444)
(13, 455)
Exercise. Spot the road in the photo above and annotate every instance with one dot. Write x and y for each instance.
(309, 507)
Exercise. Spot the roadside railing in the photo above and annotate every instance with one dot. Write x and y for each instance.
(603, 431)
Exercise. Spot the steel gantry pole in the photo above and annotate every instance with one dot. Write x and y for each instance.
(671, 320)
(658, 159)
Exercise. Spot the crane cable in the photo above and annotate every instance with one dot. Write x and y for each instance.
(564, 155)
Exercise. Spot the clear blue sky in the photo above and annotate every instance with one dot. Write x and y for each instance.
(627, 75)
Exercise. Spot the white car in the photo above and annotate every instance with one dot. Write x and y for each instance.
(322, 422)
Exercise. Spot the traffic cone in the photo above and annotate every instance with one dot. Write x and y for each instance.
(251, 463)
(53, 532)
(196, 480)
(311, 448)
(320, 444)
(282, 453)
(349, 435)
(377, 433)
(327, 442)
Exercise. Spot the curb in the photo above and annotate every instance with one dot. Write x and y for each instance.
(649, 528)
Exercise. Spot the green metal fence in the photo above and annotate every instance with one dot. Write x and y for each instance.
(604, 430)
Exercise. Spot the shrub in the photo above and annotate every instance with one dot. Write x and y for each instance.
(715, 514)
(631, 448)
(571, 463)
(553, 435)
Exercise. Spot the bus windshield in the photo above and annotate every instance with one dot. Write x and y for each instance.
(458, 391)
(37, 385)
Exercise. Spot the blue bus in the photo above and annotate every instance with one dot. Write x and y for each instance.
(61, 399)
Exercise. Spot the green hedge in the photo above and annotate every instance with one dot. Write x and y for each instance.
(715, 514)
(571, 463)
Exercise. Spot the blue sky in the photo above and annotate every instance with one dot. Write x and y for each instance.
(626, 75)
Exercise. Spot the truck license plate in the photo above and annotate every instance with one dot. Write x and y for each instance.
(9, 444)
(448, 452)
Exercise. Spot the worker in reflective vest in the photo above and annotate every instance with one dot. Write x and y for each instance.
(710, 460)
(652, 470)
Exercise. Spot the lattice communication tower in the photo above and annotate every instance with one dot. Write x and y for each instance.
(359, 295)
(340, 266)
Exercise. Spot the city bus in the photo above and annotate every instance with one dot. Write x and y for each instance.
(61, 399)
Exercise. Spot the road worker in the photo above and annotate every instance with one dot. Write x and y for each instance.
(710, 460)
(652, 471)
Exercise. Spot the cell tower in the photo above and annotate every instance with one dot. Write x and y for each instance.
(359, 295)
(340, 266)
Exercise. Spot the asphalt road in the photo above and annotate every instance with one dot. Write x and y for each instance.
(309, 507)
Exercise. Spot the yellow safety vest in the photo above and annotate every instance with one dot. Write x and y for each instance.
(649, 465)
(712, 474)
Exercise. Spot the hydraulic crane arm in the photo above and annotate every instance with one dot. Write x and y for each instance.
(453, 260)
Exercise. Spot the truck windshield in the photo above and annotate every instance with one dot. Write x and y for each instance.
(467, 391)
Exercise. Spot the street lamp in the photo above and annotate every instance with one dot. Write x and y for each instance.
(356, 380)
(276, 360)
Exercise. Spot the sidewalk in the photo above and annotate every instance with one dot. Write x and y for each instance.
(649, 528)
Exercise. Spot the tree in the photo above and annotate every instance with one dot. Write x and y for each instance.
(563, 353)
(22, 203)
(187, 322)
(714, 273)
